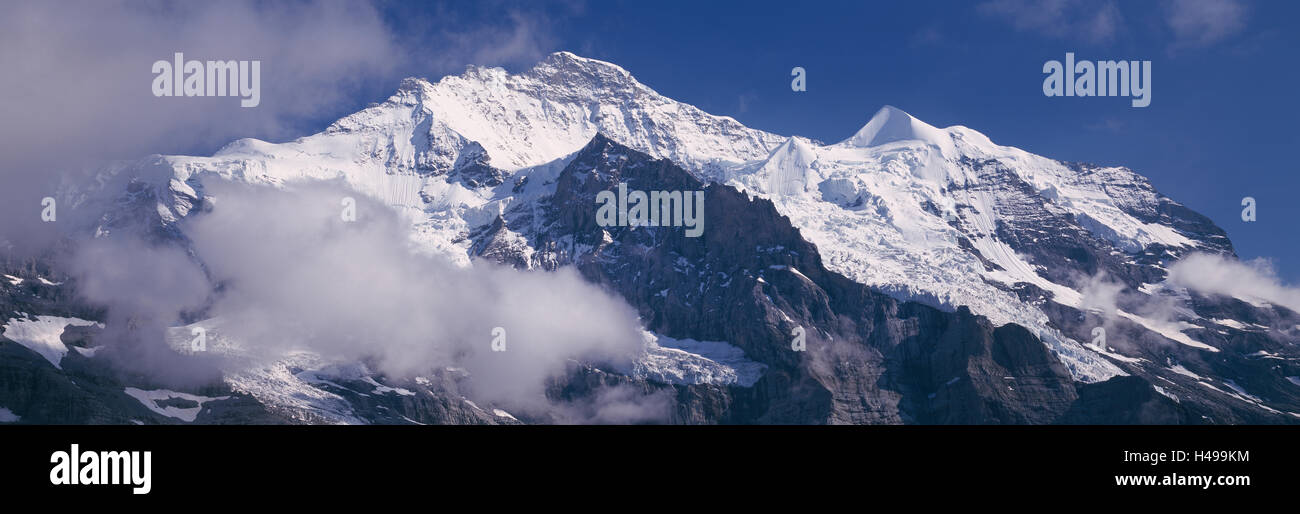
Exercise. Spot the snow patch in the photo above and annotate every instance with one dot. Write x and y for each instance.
(87, 352)
(1179, 369)
(152, 399)
(687, 361)
(43, 335)
(1170, 330)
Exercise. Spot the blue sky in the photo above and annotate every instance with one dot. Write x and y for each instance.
(1220, 125)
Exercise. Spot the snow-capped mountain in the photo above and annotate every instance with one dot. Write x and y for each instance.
(951, 278)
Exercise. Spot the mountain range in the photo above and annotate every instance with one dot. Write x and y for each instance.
(937, 276)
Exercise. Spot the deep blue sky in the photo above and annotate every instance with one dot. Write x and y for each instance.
(1221, 124)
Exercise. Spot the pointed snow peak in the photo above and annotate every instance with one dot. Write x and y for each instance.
(889, 124)
(794, 150)
(892, 124)
(788, 170)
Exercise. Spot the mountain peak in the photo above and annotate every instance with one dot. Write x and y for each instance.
(412, 85)
(563, 63)
(571, 58)
(891, 124)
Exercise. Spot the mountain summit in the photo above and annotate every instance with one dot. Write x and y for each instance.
(891, 124)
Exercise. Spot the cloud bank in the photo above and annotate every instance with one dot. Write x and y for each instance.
(144, 289)
(294, 275)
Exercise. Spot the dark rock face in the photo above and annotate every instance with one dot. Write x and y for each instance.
(1125, 401)
(472, 169)
(751, 280)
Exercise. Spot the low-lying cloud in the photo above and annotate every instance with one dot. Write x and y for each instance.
(1101, 293)
(1116, 305)
(1210, 274)
(294, 275)
(144, 288)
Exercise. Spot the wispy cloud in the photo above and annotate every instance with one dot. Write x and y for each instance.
(1108, 125)
(930, 35)
(144, 290)
(445, 40)
(744, 101)
(1093, 22)
(1200, 23)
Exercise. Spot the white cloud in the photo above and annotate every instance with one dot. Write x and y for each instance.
(1101, 294)
(294, 275)
(144, 288)
(1253, 281)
